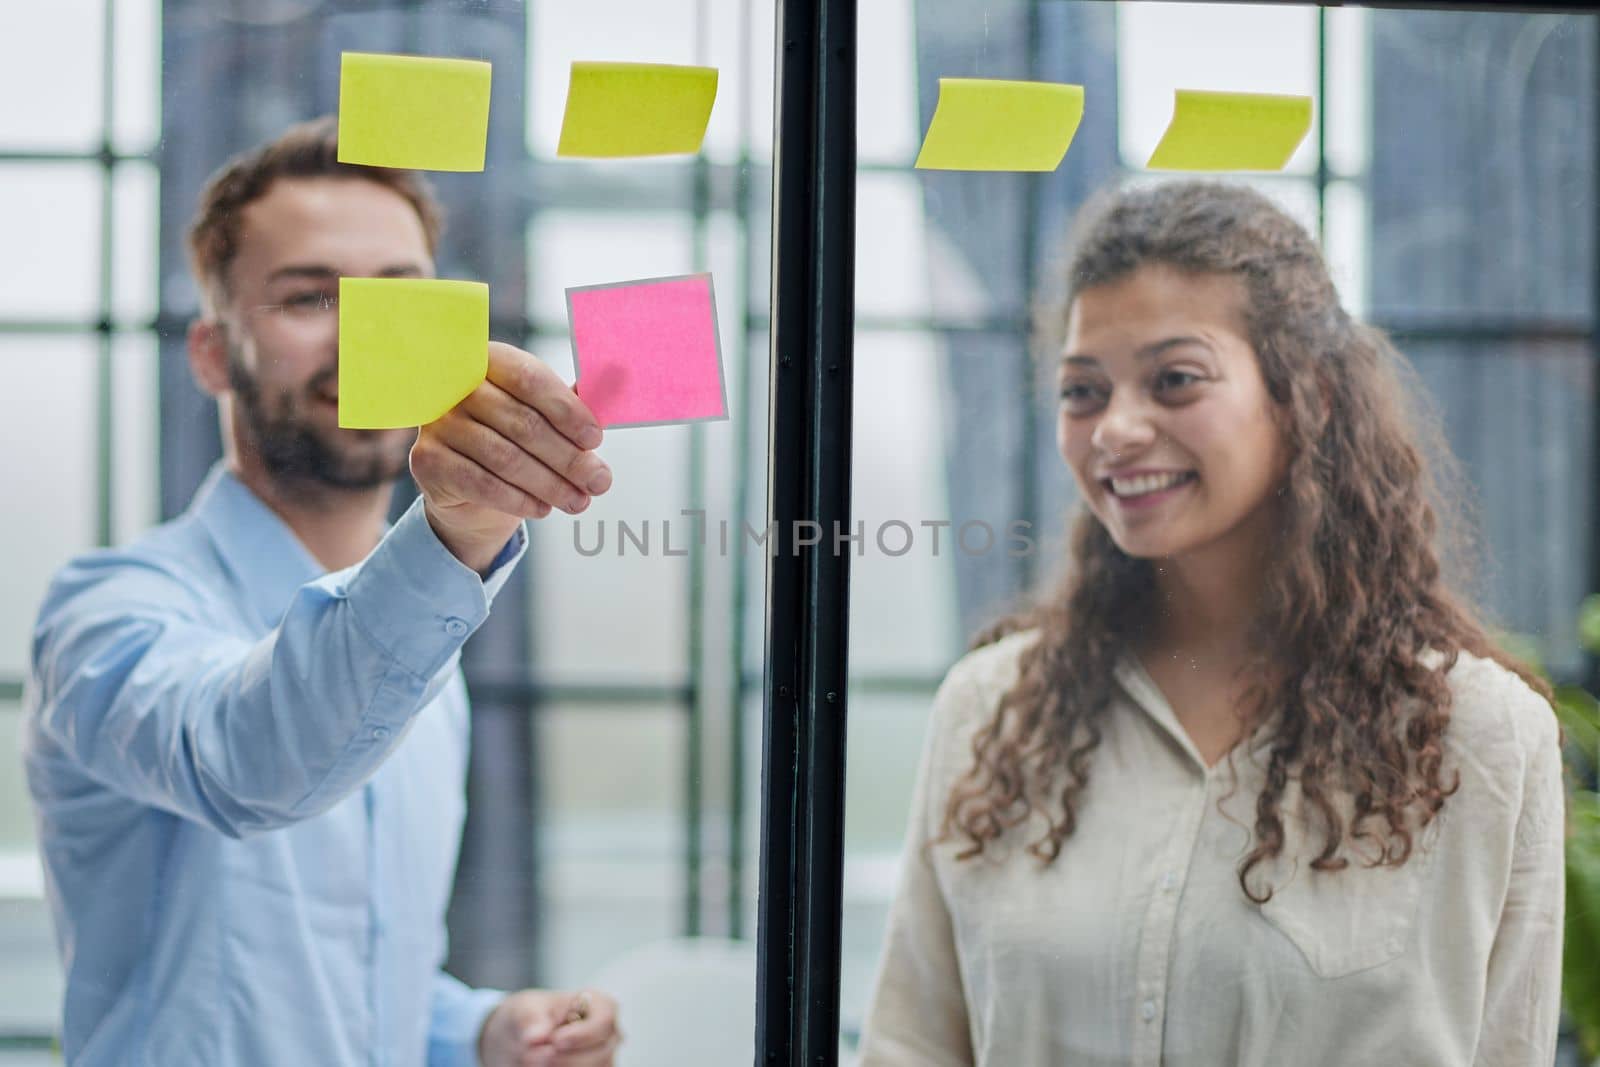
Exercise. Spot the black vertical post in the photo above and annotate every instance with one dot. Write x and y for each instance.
(807, 634)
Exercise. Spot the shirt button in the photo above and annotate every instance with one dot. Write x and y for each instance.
(1147, 1010)
(454, 627)
(380, 733)
(1170, 882)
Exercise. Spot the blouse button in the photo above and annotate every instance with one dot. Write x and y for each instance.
(1147, 1010)
(1170, 882)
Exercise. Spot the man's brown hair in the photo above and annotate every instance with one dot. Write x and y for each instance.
(307, 150)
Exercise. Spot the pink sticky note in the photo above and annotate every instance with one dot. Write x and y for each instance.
(647, 351)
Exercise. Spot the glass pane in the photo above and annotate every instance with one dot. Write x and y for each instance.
(585, 842)
(1349, 106)
(1496, 97)
(624, 560)
(1520, 418)
(886, 113)
(16, 816)
(136, 124)
(135, 208)
(1458, 144)
(30, 980)
(51, 59)
(47, 413)
(612, 844)
(615, 30)
(1248, 48)
(50, 213)
(135, 392)
(570, 248)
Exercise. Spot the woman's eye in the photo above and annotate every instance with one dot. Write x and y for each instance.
(1077, 394)
(1175, 379)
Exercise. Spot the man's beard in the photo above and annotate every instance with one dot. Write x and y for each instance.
(293, 450)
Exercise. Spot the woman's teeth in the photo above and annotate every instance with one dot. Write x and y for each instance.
(1148, 483)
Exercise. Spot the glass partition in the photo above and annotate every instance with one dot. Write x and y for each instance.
(615, 694)
(1448, 178)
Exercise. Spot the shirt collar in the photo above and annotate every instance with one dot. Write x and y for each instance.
(1147, 696)
(266, 559)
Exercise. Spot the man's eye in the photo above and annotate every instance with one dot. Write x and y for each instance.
(312, 301)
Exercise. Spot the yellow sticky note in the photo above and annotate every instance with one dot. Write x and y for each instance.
(1232, 131)
(417, 112)
(410, 349)
(636, 109)
(987, 124)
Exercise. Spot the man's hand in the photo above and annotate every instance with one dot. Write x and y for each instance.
(535, 1028)
(519, 444)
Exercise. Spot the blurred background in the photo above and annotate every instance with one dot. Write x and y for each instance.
(1450, 174)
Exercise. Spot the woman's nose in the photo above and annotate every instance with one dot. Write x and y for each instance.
(1123, 429)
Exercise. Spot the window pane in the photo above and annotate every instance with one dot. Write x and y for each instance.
(612, 842)
(910, 536)
(560, 33)
(1345, 244)
(51, 75)
(50, 214)
(1248, 48)
(1488, 211)
(47, 413)
(1520, 418)
(135, 206)
(571, 248)
(137, 105)
(886, 111)
(622, 561)
(1349, 107)
(135, 391)
(892, 261)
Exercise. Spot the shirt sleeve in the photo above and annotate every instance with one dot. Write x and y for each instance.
(455, 1021)
(918, 1012)
(138, 684)
(1522, 1001)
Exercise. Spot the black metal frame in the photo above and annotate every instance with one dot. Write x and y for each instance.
(808, 588)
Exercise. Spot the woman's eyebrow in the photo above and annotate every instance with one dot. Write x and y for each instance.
(1149, 351)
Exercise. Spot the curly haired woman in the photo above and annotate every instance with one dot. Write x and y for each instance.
(1253, 786)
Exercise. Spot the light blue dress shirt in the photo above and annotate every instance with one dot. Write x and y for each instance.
(250, 781)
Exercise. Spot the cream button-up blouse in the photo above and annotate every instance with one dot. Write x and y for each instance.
(1138, 946)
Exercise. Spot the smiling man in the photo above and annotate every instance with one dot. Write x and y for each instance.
(247, 732)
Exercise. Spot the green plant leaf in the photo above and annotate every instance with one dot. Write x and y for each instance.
(1522, 646)
(1581, 956)
(1589, 622)
(1579, 713)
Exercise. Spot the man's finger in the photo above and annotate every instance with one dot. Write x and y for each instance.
(584, 1034)
(502, 458)
(604, 1056)
(528, 379)
(536, 435)
(483, 488)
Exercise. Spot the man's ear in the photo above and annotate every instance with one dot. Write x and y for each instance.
(208, 355)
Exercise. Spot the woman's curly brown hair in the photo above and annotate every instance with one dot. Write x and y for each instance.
(1353, 601)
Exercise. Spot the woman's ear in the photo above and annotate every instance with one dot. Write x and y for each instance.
(208, 355)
